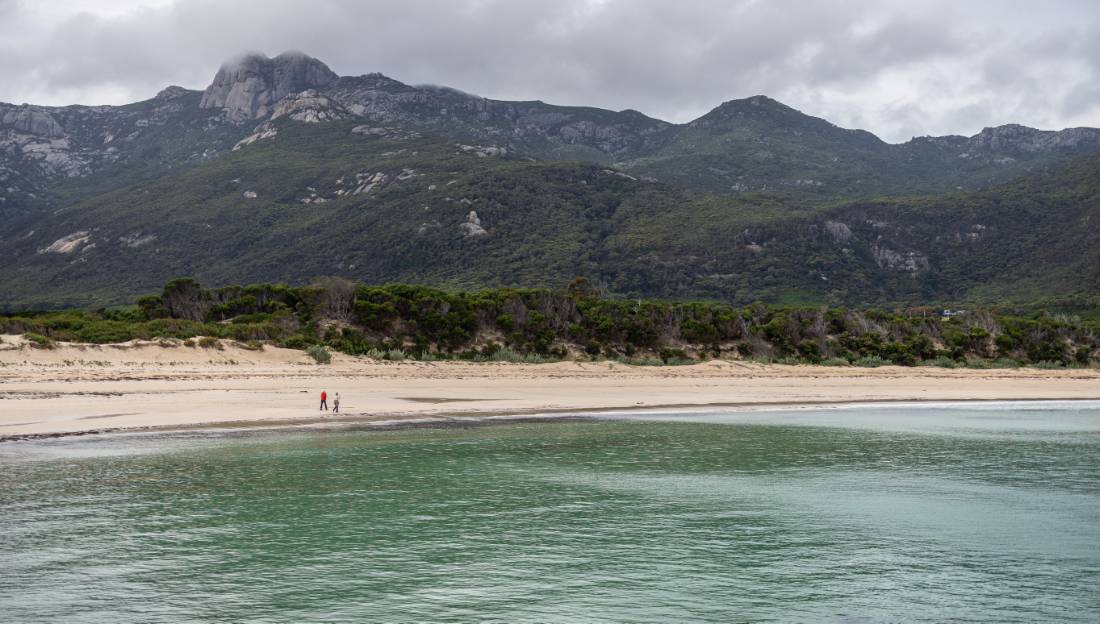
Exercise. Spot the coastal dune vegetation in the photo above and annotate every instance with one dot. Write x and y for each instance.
(403, 321)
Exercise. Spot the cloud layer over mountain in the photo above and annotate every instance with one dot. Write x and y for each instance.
(896, 67)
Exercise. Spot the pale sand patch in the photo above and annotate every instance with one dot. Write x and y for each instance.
(81, 388)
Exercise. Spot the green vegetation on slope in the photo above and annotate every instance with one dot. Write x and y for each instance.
(396, 206)
(758, 144)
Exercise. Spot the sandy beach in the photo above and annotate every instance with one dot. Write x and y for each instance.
(163, 386)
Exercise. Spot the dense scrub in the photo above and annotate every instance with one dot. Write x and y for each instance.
(398, 321)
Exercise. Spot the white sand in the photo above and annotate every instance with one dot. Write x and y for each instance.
(79, 388)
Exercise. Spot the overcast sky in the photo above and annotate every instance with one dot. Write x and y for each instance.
(897, 68)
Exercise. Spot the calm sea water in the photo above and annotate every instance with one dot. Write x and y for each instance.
(871, 514)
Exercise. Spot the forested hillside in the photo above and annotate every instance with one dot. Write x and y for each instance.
(382, 204)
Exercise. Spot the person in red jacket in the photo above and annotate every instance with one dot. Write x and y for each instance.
(324, 401)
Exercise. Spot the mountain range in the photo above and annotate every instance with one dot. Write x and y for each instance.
(282, 170)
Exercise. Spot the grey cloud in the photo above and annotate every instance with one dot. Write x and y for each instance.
(971, 115)
(894, 67)
(1083, 99)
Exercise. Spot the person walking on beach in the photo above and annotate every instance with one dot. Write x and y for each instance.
(336, 404)
(324, 401)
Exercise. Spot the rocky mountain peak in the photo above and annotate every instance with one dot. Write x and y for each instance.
(760, 110)
(755, 107)
(756, 103)
(171, 92)
(772, 117)
(249, 87)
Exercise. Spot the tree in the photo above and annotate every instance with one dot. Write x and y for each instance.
(184, 298)
(337, 297)
(583, 288)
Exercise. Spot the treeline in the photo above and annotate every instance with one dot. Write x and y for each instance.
(398, 321)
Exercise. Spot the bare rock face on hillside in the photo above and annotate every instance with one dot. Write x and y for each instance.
(249, 88)
(309, 107)
(840, 232)
(911, 262)
(32, 120)
(472, 225)
(32, 138)
(1014, 138)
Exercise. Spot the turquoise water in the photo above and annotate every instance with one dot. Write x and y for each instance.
(868, 514)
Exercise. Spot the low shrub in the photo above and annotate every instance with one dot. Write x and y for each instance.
(106, 332)
(1049, 364)
(638, 361)
(175, 328)
(297, 341)
(941, 362)
(871, 361)
(38, 341)
(209, 342)
(319, 354)
(836, 361)
(504, 354)
(979, 363)
(670, 355)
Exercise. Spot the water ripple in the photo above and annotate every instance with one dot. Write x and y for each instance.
(709, 517)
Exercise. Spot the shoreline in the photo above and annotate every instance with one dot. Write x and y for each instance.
(147, 387)
(391, 422)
